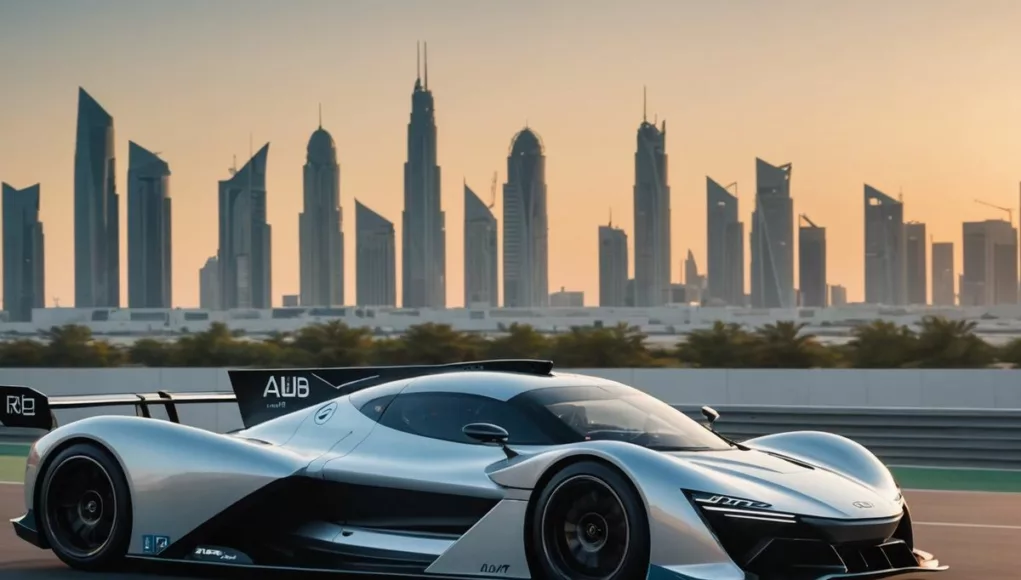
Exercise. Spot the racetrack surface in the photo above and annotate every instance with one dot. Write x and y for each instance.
(977, 534)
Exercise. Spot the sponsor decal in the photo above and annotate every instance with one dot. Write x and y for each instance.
(325, 413)
(863, 505)
(217, 554)
(286, 388)
(20, 405)
(154, 544)
(495, 568)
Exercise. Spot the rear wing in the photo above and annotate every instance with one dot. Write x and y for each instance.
(261, 394)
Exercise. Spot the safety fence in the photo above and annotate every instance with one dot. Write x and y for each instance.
(962, 438)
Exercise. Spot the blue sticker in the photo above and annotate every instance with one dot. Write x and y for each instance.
(154, 544)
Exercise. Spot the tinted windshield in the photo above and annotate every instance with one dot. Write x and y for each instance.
(623, 414)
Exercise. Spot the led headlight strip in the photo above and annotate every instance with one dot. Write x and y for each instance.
(741, 509)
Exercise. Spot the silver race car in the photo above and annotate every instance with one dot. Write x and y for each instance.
(494, 469)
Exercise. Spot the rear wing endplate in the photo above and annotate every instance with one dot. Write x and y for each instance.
(27, 408)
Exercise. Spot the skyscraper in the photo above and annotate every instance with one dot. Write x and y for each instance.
(375, 267)
(613, 266)
(481, 285)
(943, 274)
(97, 271)
(884, 249)
(320, 225)
(424, 247)
(150, 275)
(652, 216)
(24, 271)
(525, 224)
(245, 237)
(812, 264)
(209, 285)
(772, 237)
(915, 272)
(990, 263)
(724, 246)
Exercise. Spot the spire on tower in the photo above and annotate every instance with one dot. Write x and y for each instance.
(645, 105)
(320, 115)
(425, 64)
(611, 218)
(418, 60)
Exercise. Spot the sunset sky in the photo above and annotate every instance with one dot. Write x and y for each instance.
(915, 96)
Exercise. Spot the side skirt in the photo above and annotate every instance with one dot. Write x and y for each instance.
(349, 574)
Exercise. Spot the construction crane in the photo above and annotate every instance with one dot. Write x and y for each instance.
(808, 221)
(1010, 212)
(234, 168)
(492, 192)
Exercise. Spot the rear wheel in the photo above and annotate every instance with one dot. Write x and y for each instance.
(590, 524)
(85, 508)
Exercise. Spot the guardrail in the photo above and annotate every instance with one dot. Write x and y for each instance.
(962, 438)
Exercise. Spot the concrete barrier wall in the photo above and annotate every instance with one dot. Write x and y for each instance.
(920, 389)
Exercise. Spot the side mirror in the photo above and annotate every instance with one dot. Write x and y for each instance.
(486, 433)
(489, 434)
(711, 415)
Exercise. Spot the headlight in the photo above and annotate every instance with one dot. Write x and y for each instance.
(739, 508)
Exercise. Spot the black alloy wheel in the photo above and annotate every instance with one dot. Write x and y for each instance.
(85, 509)
(591, 526)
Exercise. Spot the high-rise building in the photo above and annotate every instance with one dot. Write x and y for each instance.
(915, 272)
(424, 247)
(24, 271)
(812, 264)
(652, 216)
(772, 237)
(97, 273)
(613, 266)
(150, 272)
(724, 246)
(884, 249)
(990, 263)
(525, 224)
(320, 225)
(245, 237)
(209, 285)
(838, 295)
(375, 259)
(481, 285)
(943, 274)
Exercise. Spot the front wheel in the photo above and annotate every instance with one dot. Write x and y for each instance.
(590, 524)
(85, 508)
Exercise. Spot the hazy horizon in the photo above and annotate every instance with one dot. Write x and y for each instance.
(914, 97)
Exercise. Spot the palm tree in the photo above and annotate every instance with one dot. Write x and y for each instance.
(725, 345)
(783, 345)
(944, 343)
(882, 345)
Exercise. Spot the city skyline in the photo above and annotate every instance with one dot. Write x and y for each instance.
(578, 195)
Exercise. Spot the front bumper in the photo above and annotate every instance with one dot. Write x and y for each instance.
(27, 529)
(926, 563)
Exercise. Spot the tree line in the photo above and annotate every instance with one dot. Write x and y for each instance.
(933, 343)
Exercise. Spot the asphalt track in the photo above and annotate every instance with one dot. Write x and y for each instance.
(977, 534)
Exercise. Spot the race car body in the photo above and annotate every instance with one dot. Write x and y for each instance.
(494, 469)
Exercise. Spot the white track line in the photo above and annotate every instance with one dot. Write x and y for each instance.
(959, 525)
(12, 483)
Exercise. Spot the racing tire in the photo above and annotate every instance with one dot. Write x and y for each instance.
(589, 523)
(85, 508)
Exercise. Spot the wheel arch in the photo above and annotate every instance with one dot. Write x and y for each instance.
(550, 472)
